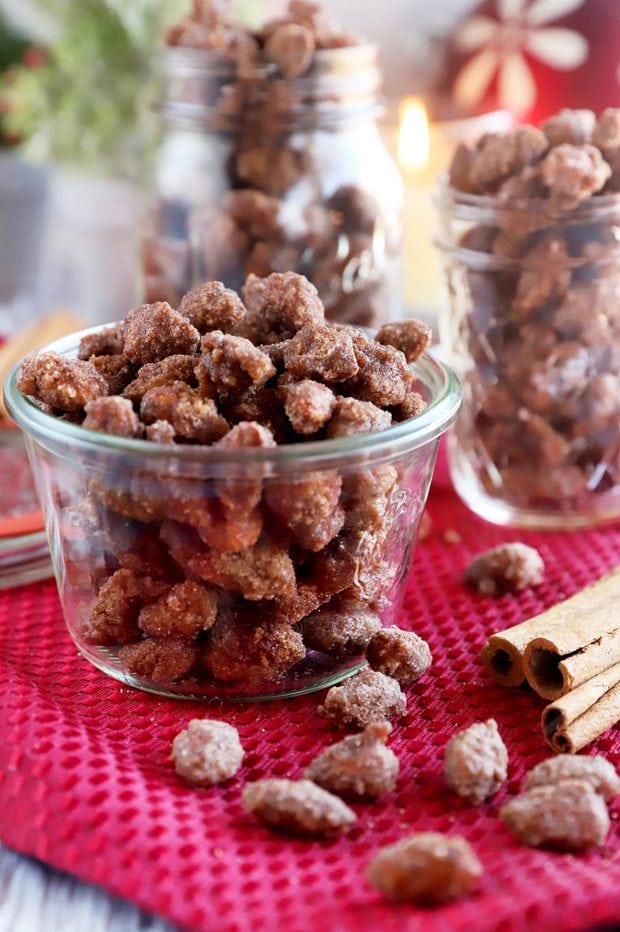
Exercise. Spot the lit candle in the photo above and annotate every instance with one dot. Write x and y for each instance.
(424, 151)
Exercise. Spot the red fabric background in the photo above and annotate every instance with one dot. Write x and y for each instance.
(85, 783)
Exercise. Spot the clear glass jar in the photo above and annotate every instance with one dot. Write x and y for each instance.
(261, 174)
(531, 324)
(127, 522)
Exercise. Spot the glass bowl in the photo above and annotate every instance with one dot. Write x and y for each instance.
(146, 557)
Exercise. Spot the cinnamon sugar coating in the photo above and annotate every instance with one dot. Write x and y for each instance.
(597, 771)
(185, 610)
(358, 767)
(155, 331)
(232, 364)
(573, 173)
(569, 126)
(114, 615)
(308, 405)
(212, 306)
(159, 659)
(177, 368)
(352, 417)
(364, 698)
(113, 415)
(207, 752)
(505, 568)
(291, 47)
(264, 571)
(399, 654)
(411, 337)
(279, 306)
(476, 761)
(298, 806)
(569, 816)
(343, 629)
(237, 651)
(160, 432)
(117, 371)
(66, 384)
(321, 352)
(309, 507)
(107, 342)
(192, 416)
(427, 868)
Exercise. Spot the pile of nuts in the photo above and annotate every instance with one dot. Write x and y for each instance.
(275, 211)
(233, 578)
(542, 321)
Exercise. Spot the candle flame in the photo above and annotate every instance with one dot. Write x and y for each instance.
(413, 136)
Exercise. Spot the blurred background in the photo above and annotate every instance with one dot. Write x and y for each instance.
(78, 126)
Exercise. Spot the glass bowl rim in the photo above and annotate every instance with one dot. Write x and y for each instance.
(442, 410)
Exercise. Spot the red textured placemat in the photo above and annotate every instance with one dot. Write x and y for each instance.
(85, 784)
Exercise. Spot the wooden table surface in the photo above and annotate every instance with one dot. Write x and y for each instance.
(34, 898)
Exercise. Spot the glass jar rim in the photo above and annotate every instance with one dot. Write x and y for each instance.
(481, 207)
(405, 436)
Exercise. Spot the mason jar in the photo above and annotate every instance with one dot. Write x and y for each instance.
(261, 174)
(164, 588)
(531, 324)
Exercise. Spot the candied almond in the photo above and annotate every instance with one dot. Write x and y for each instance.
(154, 331)
(569, 816)
(167, 371)
(364, 698)
(342, 629)
(599, 772)
(107, 342)
(321, 352)
(113, 415)
(160, 432)
(116, 370)
(160, 659)
(207, 752)
(114, 614)
(573, 173)
(500, 155)
(232, 364)
(352, 417)
(427, 868)
(358, 767)
(508, 567)
(571, 126)
(184, 610)
(212, 306)
(384, 377)
(263, 571)
(67, 384)
(309, 507)
(193, 417)
(291, 47)
(399, 654)
(240, 652)
(308, 405)
(298, 806)
(411, 337)
(476, 761)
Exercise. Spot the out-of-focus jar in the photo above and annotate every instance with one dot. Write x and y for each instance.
(128, 523)
(531, 324)
(264, 174)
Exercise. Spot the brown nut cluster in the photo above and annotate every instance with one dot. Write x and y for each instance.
(505, 568)
(427, 868)
(342, 238)
(233, 574)
(476, 761)
(539, 312)
(207, 752)
(563, 805)
(399, 654)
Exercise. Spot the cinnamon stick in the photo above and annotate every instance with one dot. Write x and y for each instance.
(579, 717)
(562, 647)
